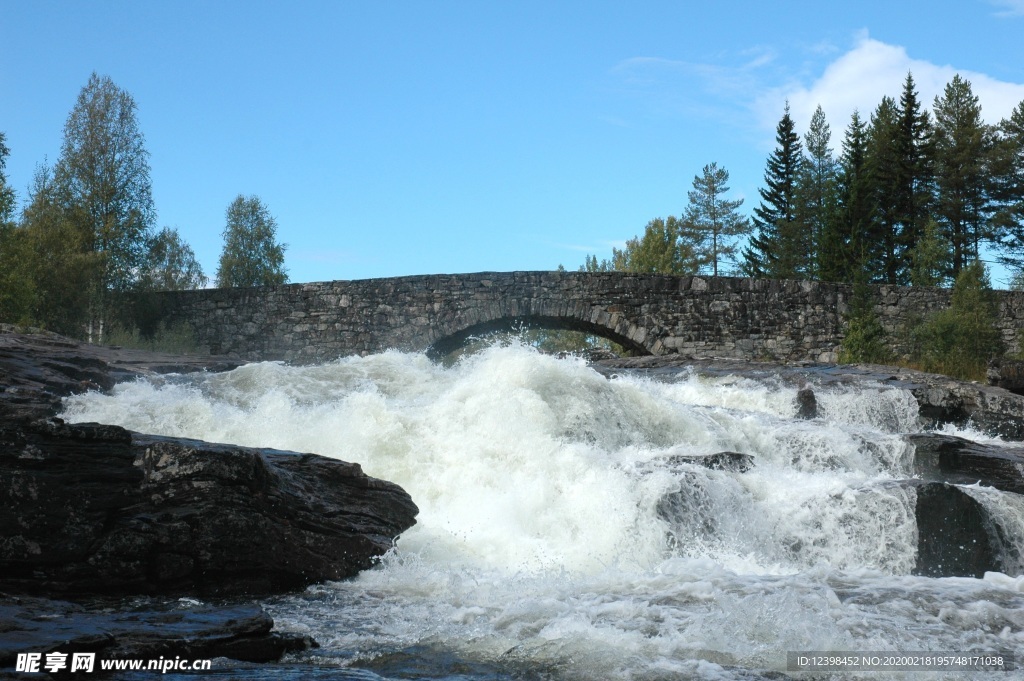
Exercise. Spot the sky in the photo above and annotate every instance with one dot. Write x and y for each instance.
(397, 138)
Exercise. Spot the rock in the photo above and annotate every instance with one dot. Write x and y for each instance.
(94, 509)
(955, 460)
(806, 404)
(721, 461)
(955, 535)
(941, 400)
(147, 629)
(1007, 374)
(38, 369)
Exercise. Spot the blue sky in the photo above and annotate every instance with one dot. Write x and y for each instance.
(393, 138)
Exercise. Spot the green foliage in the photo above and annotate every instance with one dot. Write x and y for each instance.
(7, 197)
(960, 340)
(929, 257)
(251, 255)
(60, 264)
(1007, 173)
(780, 249)
(881, 244)
(660, 250)
(176, 338)
(865, 340)
(171, 264)
(914, 172)
(711, 224)
(817, 189)
(962, 202)
(102, 183)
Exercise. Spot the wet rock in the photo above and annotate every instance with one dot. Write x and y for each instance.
(955, 460)
(806, 404)
(89, 508)
(954, 533)
(146, 629)
(941, 400)
(721, 461)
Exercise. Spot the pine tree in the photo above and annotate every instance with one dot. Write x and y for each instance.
(843, 250)
(914, 171)
(779, 249)
(711, 224)
(882, 240)
(1007, 175)
(817, 188)
(251, 255)
(962, 203)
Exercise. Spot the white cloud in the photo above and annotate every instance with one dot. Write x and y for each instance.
(860, 78)
(1011, 8)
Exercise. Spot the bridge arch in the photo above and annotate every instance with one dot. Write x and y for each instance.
(456, 336)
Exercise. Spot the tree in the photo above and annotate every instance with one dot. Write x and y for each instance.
(251, 255)
(1007, 174)
(960, 340)
(172, 265)
(780, 248)
(54, 241)
(962, 203)
(816, 188)
(104, 170)
(711, 224)
(842, 252)
(929, 257)
(7, 197)
(882, 241)
(15, 284)
(913, 191)
(659, 250)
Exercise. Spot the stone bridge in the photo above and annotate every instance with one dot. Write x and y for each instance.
(647, 313)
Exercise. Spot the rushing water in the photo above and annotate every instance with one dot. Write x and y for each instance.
(560, 536)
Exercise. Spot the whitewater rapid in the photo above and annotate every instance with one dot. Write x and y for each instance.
(559, 531)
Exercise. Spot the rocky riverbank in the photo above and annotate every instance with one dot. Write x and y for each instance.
(92, 510)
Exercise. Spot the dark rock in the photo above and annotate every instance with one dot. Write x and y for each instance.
(38, 369)
(89, 508)
(721, 461)
(94, 509)
(955, 460)
(1007, 374)
(146, 629)
(953, 531)
(806, 404)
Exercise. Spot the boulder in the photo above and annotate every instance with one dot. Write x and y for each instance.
(952, 459)
(720, 461)
(148, 630)
(96, 509)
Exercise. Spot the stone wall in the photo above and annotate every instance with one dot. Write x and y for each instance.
(652, 314)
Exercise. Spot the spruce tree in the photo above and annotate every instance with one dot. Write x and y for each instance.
(817, 188)
(843, 250)
(779, 249)
(882, 240)
(711, 224)
(1007, 176)
(962, 202)
(914, 171)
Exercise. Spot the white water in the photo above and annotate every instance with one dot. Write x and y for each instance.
(554, 535)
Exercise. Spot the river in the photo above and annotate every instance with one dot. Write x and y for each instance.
(562, 536)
